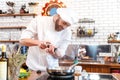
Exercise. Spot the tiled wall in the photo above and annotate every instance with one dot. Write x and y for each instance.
(106, 14)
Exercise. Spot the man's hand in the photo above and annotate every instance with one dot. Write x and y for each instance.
(53, 50)
(44, 45)
(50, 49)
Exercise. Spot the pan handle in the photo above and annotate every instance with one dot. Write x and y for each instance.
(72, 66)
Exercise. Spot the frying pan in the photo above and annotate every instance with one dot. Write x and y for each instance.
(62, 71)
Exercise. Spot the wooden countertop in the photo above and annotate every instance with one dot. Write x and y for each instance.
(68, 62)
(94, 66)
(34, 76)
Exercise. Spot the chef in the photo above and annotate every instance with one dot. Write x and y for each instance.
(48, 38)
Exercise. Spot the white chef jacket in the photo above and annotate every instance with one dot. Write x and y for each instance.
(43, 29)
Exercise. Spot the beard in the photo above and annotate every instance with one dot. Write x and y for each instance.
(57, 26)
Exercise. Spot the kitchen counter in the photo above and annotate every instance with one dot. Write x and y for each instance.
(93, 66)
(90, 66)
(102, 76)
(69, 62)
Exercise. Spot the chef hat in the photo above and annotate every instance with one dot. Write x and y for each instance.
(68, 15)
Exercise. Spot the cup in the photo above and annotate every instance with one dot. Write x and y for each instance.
(78, 70)
(102, 60)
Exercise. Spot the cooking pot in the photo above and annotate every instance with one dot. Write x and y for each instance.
(62, 71)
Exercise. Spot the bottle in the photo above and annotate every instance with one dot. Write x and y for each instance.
(84, 75)
(0, 53)
(3, 64)
(24, 49)
(76, 60)
(118, 58)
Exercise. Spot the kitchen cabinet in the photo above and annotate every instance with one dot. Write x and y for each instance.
(95, 68)
(87, 68)
(100, 69)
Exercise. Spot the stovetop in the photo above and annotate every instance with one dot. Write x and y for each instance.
(89, 77)
(48, 77)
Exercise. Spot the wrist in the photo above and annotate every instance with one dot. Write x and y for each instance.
(55, 49)
(39, 43)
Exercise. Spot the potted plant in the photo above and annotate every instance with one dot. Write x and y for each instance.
(11, 7)
(33, 7)
(17, 56)
(23, 9)
(33, 3)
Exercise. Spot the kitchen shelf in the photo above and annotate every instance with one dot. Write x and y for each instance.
(113, 41)
(86, 20)
(13, 41)
(12, 27)
(14, 15)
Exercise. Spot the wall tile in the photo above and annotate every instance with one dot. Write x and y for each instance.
(106, 14)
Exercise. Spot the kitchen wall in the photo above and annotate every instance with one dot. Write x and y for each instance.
(106, 14)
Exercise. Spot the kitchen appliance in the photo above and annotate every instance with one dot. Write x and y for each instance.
(46, 76)
(60, 78)
(91, 76)
(63, 72)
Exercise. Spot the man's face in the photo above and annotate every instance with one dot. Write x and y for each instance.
(61, 24)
